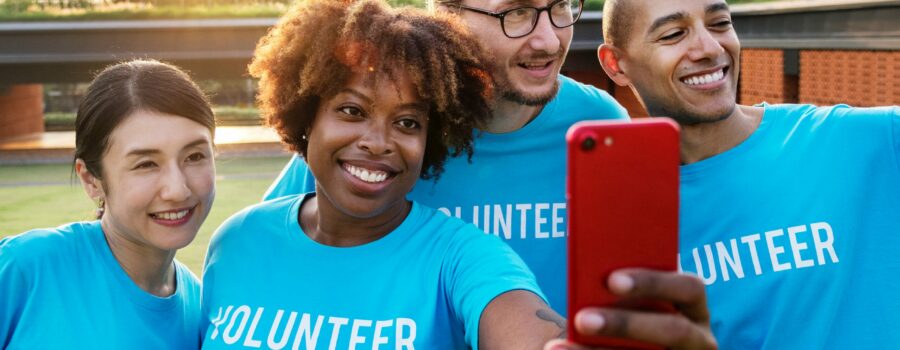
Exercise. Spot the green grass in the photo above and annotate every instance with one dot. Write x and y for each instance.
(241, 182)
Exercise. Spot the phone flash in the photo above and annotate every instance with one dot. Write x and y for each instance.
(608, 141)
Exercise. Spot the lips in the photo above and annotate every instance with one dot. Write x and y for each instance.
(174, 217)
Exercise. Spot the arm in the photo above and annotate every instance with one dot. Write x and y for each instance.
(521, 319)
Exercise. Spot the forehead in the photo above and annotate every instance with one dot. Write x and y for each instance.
(398, 87)
(157, 131)
(646, 13)
(501, 4)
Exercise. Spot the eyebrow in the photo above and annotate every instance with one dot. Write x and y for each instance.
(659, 22)
(413, 105)
(518, 3)
(355, 93)
(149, 151)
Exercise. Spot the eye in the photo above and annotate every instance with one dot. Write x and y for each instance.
(724, 24)
(144, 165)
(196, 157)
(521, 14)
(409, 123)
(351, 110)
(670, 36)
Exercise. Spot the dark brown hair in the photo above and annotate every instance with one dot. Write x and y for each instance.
(120, 90)
(313, 50)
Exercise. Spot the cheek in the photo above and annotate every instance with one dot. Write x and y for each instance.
(414, 151)
(131, 192)
(202, 180)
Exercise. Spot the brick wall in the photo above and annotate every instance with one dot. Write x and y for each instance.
(763, 78)
(857, 78)
(21, 110)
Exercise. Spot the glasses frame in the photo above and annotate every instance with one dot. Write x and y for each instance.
(502, 14)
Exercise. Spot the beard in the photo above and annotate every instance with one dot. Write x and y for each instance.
(682, 114)
(507, 90)
(510, 93)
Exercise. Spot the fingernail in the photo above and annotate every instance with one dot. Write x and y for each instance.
(592, 321)
(621, 282)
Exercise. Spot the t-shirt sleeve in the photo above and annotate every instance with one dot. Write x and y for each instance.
(14, 287)
(895, 125)
(295, 178)
(480, 268)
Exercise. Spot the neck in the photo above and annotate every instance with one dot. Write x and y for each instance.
(328, 225)
(150, 268)
(510, 116)
(702, 141)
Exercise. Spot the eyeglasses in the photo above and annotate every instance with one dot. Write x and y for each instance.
(520, 21)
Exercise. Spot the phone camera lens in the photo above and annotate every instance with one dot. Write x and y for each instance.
(588, 143)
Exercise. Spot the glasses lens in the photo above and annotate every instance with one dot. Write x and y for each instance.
(518, 22)
(565, 13)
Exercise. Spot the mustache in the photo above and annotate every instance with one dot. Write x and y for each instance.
(543, 55)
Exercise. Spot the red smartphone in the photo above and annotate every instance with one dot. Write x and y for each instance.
(623, 212)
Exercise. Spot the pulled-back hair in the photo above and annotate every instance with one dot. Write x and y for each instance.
(315, 48)
(127, 87)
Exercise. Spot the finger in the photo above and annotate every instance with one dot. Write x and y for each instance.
(562, 344)
(668, 330)
(687, 292)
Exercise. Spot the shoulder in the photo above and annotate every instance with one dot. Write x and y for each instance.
(576, 96)
(36, 245)
(842, 118)
(251, 220)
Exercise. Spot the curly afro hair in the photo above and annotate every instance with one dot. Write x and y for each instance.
(315, 48)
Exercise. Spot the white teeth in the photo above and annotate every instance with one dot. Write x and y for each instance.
(534, 64)
(172, 216)
(705, 79)
(371, 176)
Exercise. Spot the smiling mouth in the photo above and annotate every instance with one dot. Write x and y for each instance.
(173, 216)
(704, 79)
(372, 176)
(539, 65)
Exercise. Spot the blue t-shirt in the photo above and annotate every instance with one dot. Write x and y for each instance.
(423, 285)
(62, 288)
(796, 231)
(514, 187)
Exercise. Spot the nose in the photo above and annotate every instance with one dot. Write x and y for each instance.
(376, 139)
(174, 185)
(544, 36)
(705, 46)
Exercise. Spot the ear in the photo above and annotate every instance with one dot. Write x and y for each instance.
(610, 60)
(92, 185)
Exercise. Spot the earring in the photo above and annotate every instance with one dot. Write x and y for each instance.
(303, 137)
(100, 206)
